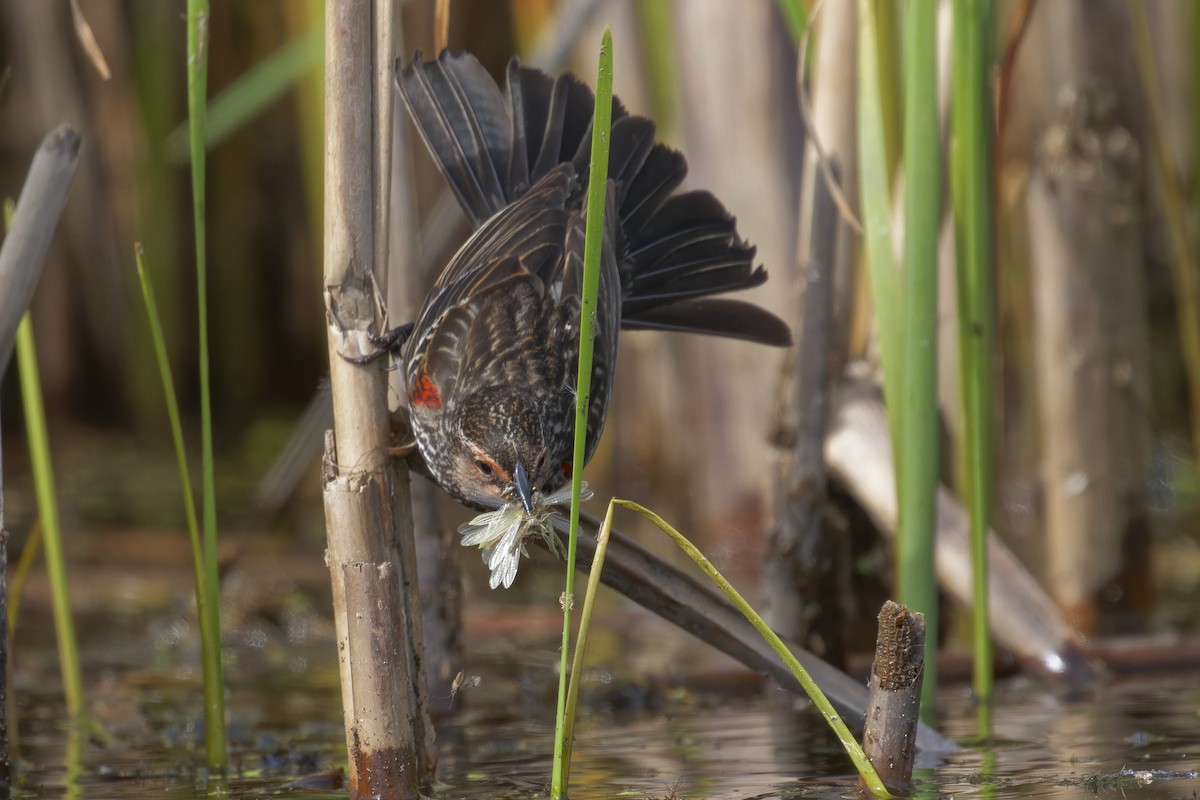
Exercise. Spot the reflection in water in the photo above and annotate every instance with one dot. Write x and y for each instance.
(637, 737)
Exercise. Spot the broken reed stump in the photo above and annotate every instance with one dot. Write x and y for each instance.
(894, 697)
(371, 557)
(38, 208)
(389, 736)
(1092, 354)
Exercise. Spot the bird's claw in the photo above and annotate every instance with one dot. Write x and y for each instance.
(387, 342)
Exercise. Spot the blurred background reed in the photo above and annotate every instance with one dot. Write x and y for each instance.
(688, 433)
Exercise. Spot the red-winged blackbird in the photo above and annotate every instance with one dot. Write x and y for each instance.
(490, 362)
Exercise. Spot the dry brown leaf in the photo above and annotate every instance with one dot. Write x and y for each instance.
(88, 41)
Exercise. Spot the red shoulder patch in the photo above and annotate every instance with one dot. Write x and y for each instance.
(425, 393)
(567, 467)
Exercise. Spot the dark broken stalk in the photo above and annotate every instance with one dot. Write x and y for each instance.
(38, 208)
(368, 517)
(894, 692)
(800, 547)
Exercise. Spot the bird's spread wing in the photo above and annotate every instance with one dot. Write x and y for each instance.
(505, 266)
(506, 309)
(536, 221)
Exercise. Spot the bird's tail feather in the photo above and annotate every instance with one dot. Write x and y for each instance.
(676, 250)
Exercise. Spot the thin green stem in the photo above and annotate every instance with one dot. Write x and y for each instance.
(49, 529)
(593, 243)
(19, 576)
(970, 185)
(585, 621)
(918, 459)
(47, 501)
(861, 762)
(210, 623)
(172, 402)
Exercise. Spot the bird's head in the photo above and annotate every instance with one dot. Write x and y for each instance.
(500, 455)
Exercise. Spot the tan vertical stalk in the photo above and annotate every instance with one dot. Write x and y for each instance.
(1091, 351)
(367, 512)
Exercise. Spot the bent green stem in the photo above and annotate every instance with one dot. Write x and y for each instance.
(853, 749)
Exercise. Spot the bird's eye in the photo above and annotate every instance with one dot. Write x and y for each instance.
(483, 466)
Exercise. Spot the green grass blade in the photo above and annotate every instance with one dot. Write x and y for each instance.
(20, 576)
(43, 481)
(48, 530)
(853, 749)
(203, 608)
(918, 455)
(214, 682)
(253, 92)
(594, 239)
(168, 384)
(585, 622)
(970, 187)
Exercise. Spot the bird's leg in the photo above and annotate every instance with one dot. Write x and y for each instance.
(403, 444)
(387, 342)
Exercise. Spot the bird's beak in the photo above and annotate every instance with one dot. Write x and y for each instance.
(521, 480)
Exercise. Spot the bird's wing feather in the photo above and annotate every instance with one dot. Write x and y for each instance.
(463, 118)
(523, 244)
(534, 219)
